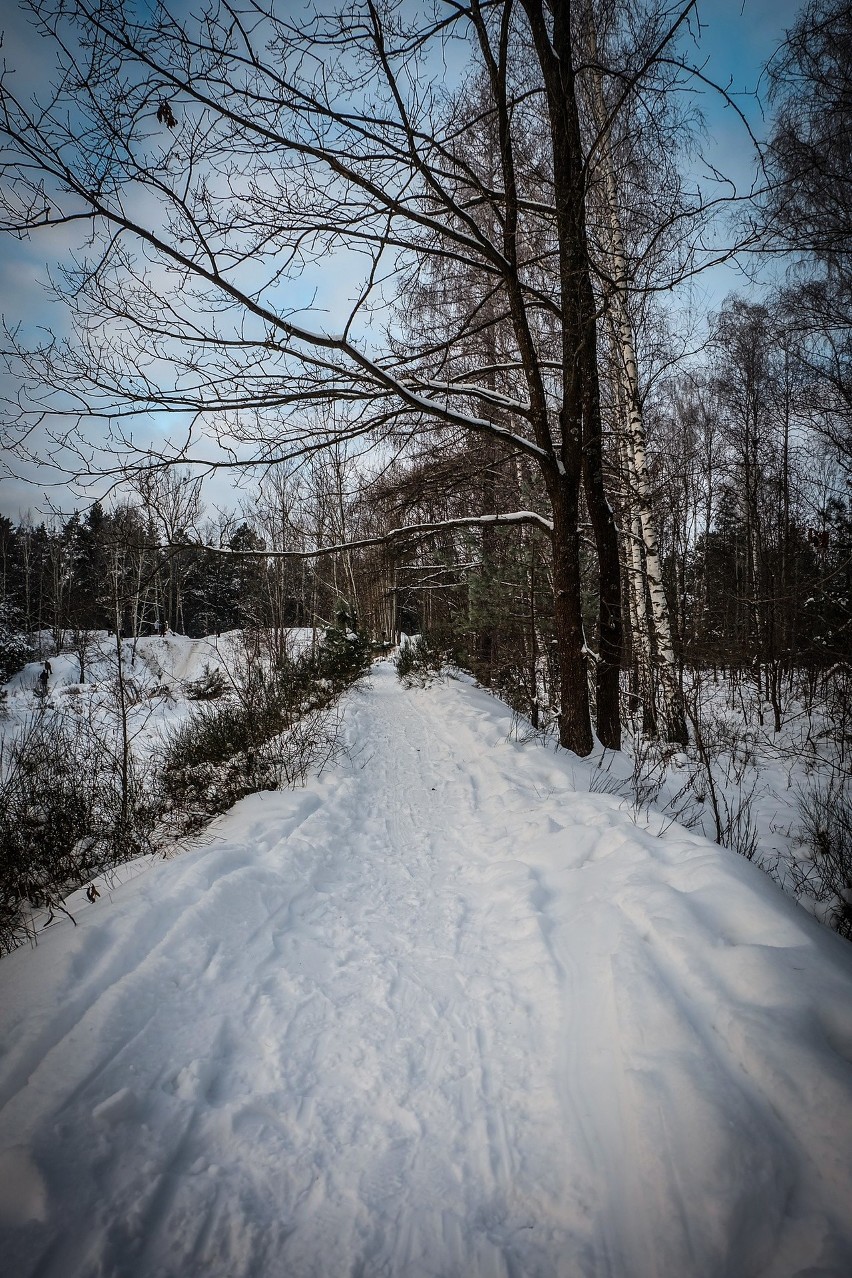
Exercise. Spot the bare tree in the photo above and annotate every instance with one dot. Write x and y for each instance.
(171, 500)
(214, 160)
(652, 633)
(808, 208)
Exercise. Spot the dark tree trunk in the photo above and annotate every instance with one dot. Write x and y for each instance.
(582, 452)
(575, 730)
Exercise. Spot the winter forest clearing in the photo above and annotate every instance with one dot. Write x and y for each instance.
(441, 1012)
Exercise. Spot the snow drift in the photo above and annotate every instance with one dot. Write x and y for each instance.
(441, 1013)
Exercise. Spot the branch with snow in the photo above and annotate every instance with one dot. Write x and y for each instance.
(509, 519)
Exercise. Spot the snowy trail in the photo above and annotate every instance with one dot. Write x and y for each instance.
(438, 1015)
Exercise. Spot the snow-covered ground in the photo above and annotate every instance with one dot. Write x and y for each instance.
(441, 1013)
(157, 669)
(164, 661)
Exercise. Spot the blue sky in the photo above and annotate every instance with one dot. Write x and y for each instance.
(736, 38)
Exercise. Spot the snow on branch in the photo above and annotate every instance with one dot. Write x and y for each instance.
(470, 388)
(529, 517)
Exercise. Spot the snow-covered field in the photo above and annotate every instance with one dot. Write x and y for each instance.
(157, 669)
(153, 661)
(441, 1013)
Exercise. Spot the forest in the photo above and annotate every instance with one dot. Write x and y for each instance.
(747, 494)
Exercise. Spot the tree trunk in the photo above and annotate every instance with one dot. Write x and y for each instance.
(641, 625)
(582, 449)
(575, 732)
(640, 489)
(606, 543)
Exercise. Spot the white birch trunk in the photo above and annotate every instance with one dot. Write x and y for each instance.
(675, 723)
(640, 622)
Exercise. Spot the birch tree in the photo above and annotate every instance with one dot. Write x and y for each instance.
(652, 633)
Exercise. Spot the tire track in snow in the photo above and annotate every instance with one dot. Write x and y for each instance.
(584, 1010)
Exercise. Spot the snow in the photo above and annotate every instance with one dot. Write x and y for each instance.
(158, 666)
(171, 657)
(443, 1012)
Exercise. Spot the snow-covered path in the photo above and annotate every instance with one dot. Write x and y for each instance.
(436, 1014)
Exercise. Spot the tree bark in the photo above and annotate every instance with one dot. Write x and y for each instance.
(636, 455)
(580, 418)
(575, 732)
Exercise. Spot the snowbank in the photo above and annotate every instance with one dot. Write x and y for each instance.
(440, 1013)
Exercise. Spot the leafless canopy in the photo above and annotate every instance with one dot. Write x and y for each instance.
(443, 158)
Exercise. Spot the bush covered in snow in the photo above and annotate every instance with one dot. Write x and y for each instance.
(342, 656)
(422, 658)
(825, 871)
(209, 686)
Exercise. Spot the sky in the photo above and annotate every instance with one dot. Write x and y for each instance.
(736, 39)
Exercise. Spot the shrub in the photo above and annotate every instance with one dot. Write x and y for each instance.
(65, 816)
(342, 657)
(209, 687)
(825, 810)
(276, 724)
(424, 658)
(404, 663)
